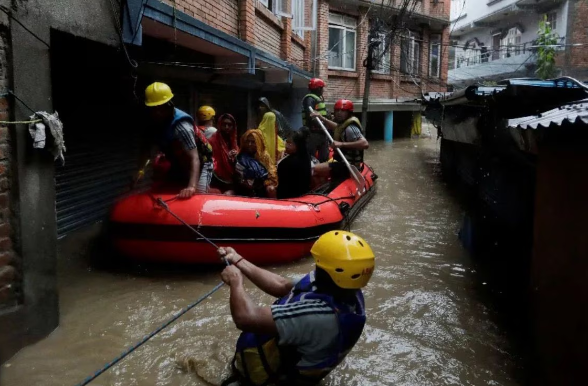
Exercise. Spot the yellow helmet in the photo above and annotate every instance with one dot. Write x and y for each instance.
(347, 258)
(205, 113)
(157, 94)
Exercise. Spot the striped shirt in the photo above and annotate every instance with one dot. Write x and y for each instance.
(309, 325)
(184, 133)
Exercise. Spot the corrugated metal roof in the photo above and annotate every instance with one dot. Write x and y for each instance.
(574, 113)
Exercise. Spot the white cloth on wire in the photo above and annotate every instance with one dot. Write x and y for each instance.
(39, 134)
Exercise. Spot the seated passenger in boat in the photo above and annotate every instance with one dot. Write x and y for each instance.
(295, 169)
(270, 128)
(224, 150)
(348, 136)
(256, 173)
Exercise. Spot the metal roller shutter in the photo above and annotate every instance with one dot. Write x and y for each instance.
(93, 177)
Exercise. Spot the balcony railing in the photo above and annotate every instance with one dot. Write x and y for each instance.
(476, 56)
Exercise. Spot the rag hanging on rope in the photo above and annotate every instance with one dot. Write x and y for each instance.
(128, 351)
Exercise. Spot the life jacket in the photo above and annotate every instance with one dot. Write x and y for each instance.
(260, 361)
(320, 107)
(204, 147)
(353, 156)
(173, 150)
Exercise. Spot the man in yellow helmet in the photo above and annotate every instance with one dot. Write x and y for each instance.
(315, 322)
(205, 117)
(184, 147)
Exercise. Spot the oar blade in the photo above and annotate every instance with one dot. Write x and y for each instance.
(358, 179)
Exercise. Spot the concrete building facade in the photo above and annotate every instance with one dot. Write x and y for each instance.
(495, 40)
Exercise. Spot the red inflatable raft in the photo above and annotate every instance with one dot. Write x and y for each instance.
(264, 231)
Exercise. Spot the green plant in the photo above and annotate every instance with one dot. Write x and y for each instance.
(546, 41)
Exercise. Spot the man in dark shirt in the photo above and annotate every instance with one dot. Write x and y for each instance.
(317, 141)
(190, 155)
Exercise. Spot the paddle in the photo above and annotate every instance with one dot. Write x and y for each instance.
(359, 180)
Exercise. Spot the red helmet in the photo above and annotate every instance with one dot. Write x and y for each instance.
(316, 83)
(344, 104)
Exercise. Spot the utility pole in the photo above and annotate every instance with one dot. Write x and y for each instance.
(368, 63)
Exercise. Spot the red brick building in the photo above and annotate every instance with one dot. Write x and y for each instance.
(284, 57)
(413, 62)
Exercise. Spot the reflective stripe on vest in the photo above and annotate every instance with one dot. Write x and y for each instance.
(320, 107)
(258, 359)
(353, 156)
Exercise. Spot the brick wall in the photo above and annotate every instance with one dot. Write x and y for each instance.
(393, 84)
(8, 275)
(220, 14)
(380, 87)
(267, 36)
(441, 9)
(576, 58)
(341, 87)
(322, 66)
(297, 54)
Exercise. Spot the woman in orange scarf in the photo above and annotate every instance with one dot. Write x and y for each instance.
(256, 171)
(224, 151)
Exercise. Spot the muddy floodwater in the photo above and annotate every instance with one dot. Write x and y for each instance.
(428, 321)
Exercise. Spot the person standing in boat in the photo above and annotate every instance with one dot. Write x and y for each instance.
(317, 141)
(205, 117)
(224, 150)
(312, 326)
(348, 136)
(184, 146)
(256, 173)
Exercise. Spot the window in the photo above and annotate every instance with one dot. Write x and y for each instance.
(410, 54)
(511, 44)
(435, 56)
(278, 7)
(382, 55)
(298, 17)
(552, 19)
(342, 42)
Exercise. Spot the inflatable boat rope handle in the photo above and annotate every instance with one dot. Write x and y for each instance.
(112, 363)
(352, 169)
(164, 205)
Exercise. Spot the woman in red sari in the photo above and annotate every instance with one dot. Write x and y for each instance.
(224, 151)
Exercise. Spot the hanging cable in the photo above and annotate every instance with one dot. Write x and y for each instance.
(9, 14)
(10, 92)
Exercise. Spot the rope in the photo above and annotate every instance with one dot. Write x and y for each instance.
(10, 92)
(128, 351)
(147, 337)
(164, 205)
(320, 202)
(20, 122)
